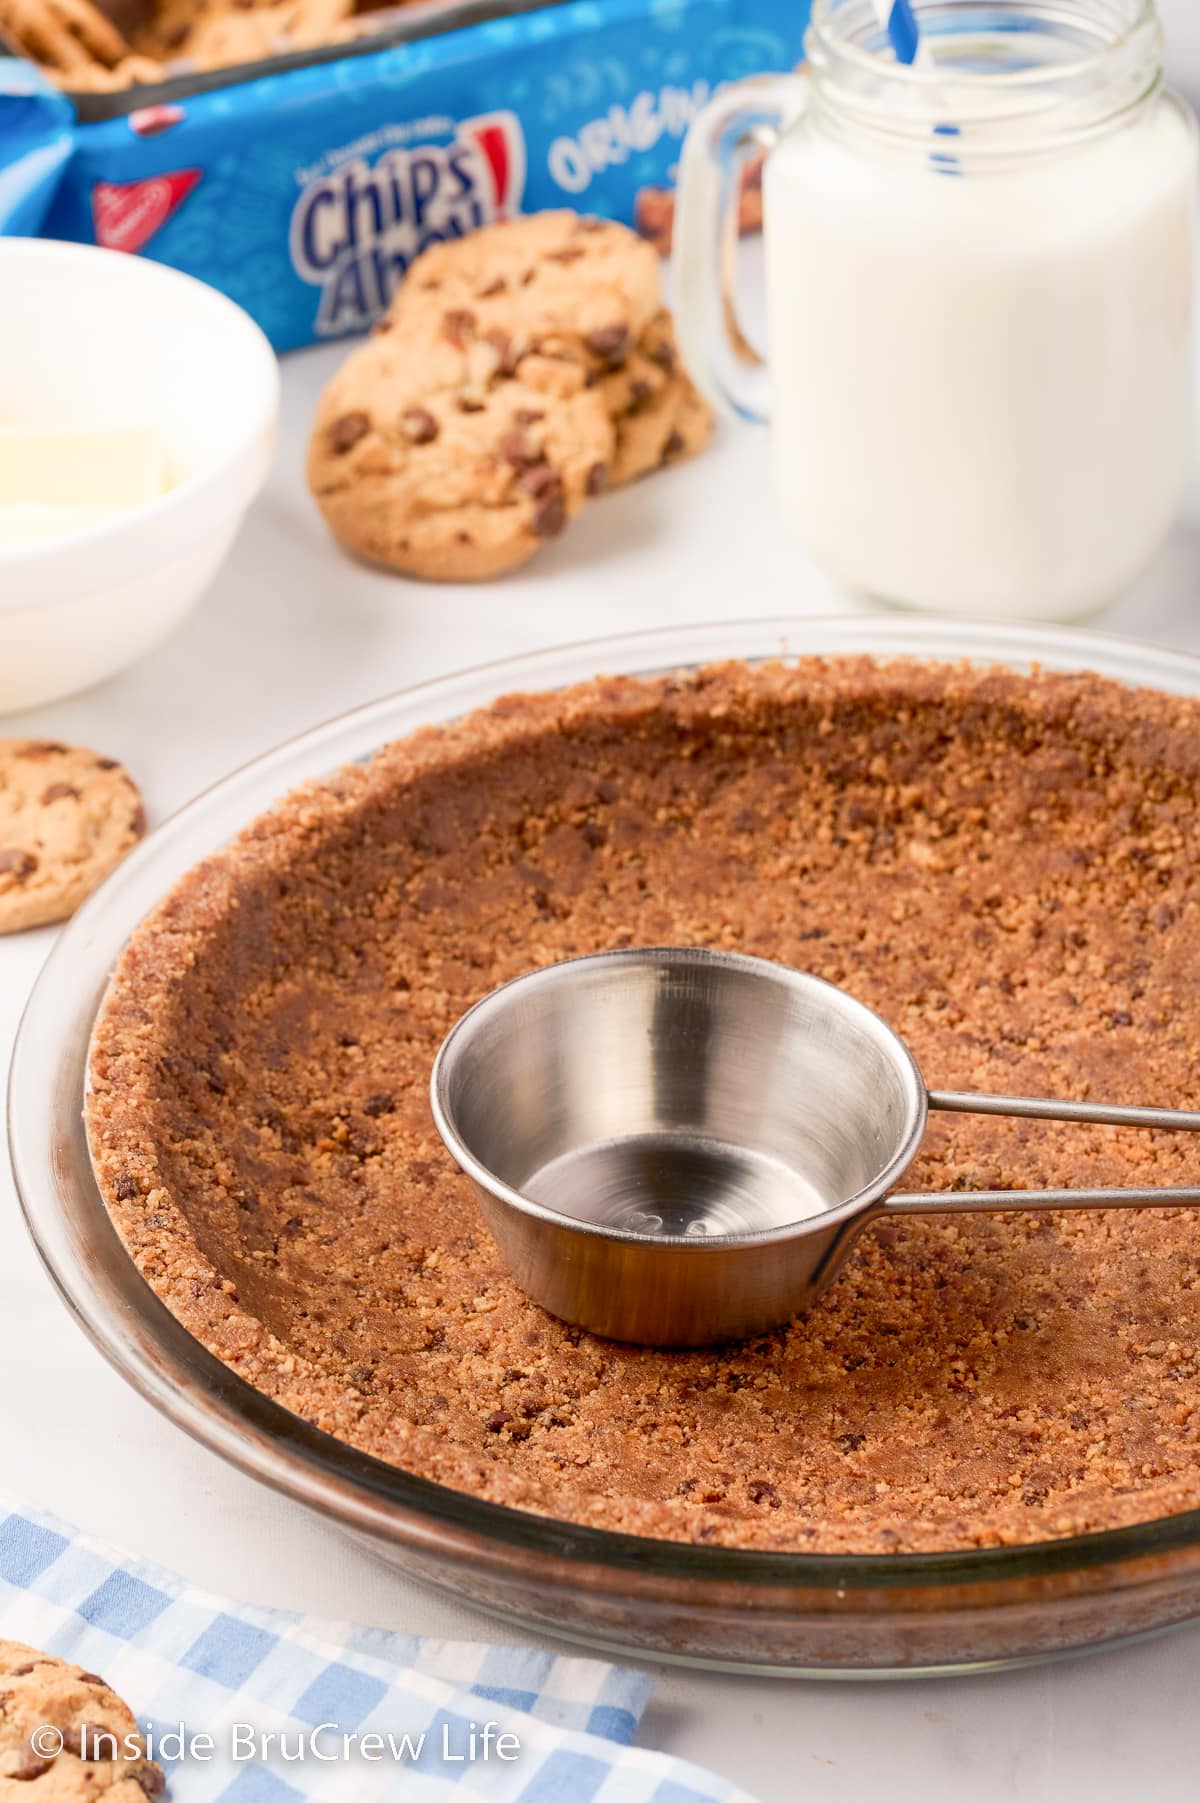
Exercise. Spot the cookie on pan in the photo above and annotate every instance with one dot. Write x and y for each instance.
(66, 1731)
(432, 456)
(67, 818)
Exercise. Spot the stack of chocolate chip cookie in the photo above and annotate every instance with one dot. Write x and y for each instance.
(520, 372)
(104, 45)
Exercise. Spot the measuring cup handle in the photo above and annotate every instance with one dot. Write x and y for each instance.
(745, 116)
(949, 1101)
(1036, 1108)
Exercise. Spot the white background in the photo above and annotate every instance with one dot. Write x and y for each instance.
(291, 634)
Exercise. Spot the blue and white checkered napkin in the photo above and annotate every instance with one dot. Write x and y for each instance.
(184, 1659)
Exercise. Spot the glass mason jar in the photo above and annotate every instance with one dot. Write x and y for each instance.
(979, 298)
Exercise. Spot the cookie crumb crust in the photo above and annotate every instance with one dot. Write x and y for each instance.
(1000, 864)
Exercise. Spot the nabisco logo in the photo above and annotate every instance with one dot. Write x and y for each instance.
(355, 231)
(126, 215)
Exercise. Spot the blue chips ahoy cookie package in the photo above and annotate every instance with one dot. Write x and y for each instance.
(304, 183)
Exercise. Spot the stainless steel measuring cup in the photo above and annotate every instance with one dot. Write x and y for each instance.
(677, 1147)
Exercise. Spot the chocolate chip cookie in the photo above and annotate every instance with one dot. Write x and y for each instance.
(64, 1729)
(86, 47)
(67, 37)
(436, 454)
(557, 281)
(658, 414)
(224, 33)
(67, 818)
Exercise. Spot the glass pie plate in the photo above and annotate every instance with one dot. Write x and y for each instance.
(705, 1605)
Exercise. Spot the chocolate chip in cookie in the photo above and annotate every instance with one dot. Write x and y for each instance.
(457, 324)
(522, 448)
(540, 480)
(550, 515)
(418, 425)
(610, 344)
(346, 431)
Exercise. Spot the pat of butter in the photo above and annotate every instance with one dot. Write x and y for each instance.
(25, 523)
(121, 465)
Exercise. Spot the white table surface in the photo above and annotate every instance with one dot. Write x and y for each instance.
(291, 634)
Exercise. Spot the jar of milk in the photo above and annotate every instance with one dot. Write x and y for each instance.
(979, 298)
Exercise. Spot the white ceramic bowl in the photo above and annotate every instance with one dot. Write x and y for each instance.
(97, 337)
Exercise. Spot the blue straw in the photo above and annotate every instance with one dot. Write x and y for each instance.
(902, 30)
(909, 49)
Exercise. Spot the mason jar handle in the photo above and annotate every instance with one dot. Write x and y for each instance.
(998, 1201)
(748, 115)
